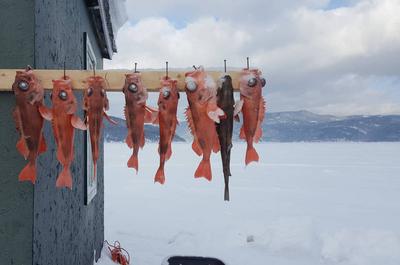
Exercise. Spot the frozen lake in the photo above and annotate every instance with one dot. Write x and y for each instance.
(304, 203)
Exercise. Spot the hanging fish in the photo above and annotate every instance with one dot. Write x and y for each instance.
(167, 108)
(226, 102)
(201, 114)
(95, 104)
(253, 109)
(64, 121)
(136, 114)
(29, 123)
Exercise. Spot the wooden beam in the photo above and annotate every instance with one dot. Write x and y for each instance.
(116, 78)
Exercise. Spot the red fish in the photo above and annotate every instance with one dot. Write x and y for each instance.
(95, 103)
(136, 114)
(167, 108)
(64, 121)
(29, 123)
(201, 114)
(253, 109)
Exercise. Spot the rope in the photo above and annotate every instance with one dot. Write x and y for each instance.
(118, 254)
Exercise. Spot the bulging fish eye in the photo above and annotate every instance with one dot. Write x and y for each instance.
(24, 86)
(133, 88)
(263, 82)
(191, 85)
(252, 82)
(102, 92)
(63, 95)
(90, 91)
(166, 92)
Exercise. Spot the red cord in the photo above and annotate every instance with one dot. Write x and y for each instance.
(118, 254)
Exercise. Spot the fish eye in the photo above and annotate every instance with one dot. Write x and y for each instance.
(166, 92)
(252, 82)
(191, 85)
(133, 88)
(102, 92)
(23, 85)
(90, 91)
(263, 82)
(63, 95)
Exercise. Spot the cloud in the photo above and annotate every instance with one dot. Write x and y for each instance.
(342, 61)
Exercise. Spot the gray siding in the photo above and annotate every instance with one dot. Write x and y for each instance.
(16, 204)
(66, 231)
(41, 224)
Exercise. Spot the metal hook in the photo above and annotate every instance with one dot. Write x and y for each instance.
(225, 66)
(166, 69)
(248, 63)
(135, 68)
(65, 77)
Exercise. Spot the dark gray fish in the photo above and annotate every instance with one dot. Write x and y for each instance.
(226, 102)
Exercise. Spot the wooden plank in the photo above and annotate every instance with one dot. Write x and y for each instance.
(116, 78)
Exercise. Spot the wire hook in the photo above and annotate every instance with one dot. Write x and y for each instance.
(65, 77)
(225, 66)
(166, 69)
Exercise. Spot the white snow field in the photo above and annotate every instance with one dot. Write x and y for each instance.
(303, 204)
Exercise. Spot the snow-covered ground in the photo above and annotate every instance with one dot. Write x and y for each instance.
(304, 203)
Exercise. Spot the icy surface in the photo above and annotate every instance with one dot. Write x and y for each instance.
(304, 203)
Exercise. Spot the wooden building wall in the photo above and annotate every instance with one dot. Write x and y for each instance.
(42, 224)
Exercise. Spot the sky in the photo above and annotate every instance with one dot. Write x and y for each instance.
(338, 57)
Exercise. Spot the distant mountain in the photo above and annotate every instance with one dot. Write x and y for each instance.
(117, 133)
(294, 126)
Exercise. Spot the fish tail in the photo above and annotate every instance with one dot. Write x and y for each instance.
(65, 178)
(133, 162)
(226, 194)
(204, 170)
(251, 155)
(28, 173)
(160, 177)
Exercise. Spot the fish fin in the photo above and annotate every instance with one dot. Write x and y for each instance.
(150, 114)
(251, 155)
(237, 118)
(128, 140)
(16, 117)
(46, 113)
(238, 107)
(242, 134)
(214, 113)
(189, 119)
(42, 145)
(204, 170)
(261, 115)
(196, 147)
(216, 145)
(22, 147)
(160, 177)
(78, 123)
(169, 152)
(64, 179)
(109, 119)
(133, 162)
(142, 141)
(28, 173)
(258, 133)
